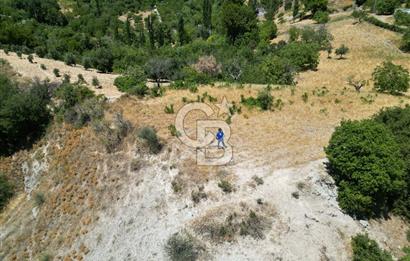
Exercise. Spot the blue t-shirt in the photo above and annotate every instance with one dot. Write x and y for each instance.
(219, 135)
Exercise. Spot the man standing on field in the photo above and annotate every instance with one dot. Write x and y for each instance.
(220, 138)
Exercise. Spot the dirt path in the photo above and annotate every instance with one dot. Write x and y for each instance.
(33, 70)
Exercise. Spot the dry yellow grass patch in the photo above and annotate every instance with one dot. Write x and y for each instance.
(297, 133)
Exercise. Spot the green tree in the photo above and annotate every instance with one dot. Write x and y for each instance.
(151, 31)
(237, 20)
(365, 162)
(303, 56)
(182, 34)
(98, 7)
(386, 7)
(207, 18)
(129, 35)
(24, 115)
(398, 121)
(342, 50)
(366, 249)
(268, 30)
(159, 69)
(278, 70)
(295, 9)
(69, 59)
(391, 78)
(315, 5)
(44, 11)
(103, 60)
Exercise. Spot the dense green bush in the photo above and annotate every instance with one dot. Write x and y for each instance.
(398, 121)
(391, 78)
(321, 17)
(405, 42)
(401, 18)
(303, 56)
(278, 70)
(24, 115)
(131, 85)
(6, 191)
(366, 249)
(264, 100)
(268, 30)
(386, 7)
(365, 161)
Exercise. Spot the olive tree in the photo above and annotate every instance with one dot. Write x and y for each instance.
(391, 78)
(365, 162)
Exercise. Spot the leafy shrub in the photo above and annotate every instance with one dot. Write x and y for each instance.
(367, 249)
(169, 109)
(365, 161)
(303, 56)
(182, 247)
(56, 72)
(386, 7)
(43, 67)
(80, 79)
(150, 136)
(268, 30)
(173, 130)
(391, 78)
(30, 58)
(69, 59)
(405, 42)
(85, 112)
(131, 85)
(225, 186)
(6, 191)
(95, 82)
(264, 100)
(87, 63)
(39, 199)
(24, 114)
(401, 18)
(71, 94)
(319, 36)
(66, 78)
(342, 50)
(321, 17)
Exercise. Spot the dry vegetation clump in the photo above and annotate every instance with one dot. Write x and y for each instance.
(112, 133)
(227, 223)
(183, 247)
(207, 65)
(198, 194)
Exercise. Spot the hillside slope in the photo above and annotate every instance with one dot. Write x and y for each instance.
(124, 205)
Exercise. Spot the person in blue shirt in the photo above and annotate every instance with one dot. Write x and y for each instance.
(220, 138)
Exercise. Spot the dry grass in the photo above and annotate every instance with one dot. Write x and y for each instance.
(298, 132)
